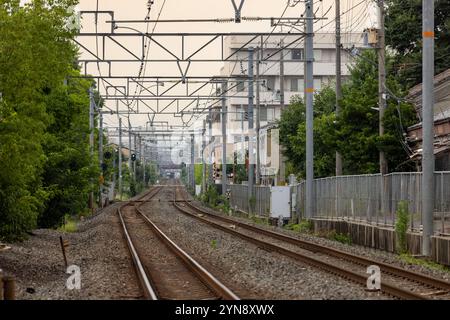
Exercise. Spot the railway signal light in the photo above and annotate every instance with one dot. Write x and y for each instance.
(133, 157)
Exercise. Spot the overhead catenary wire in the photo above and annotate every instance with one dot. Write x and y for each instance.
(322, 27)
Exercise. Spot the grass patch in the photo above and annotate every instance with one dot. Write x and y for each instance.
(69, 226)
(423, 262)
(259, 220)
(305, 226)
(339, 237)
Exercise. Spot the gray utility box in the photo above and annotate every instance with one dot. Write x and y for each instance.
(280, 202)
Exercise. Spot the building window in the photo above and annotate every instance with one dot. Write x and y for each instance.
(263, 113)
(270, 84)
(240, 86)
(294, 85)
(241, 114)
(270, 114)
(297, 54)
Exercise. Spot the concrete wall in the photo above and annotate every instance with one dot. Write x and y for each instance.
(382, 238)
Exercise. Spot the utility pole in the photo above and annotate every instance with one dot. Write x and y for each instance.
(250, 124)
(203, 157)
(242, 134)
(309, 99)
(382, 81)
(428, 164)
(140, 153)
(258, 117)
(130, 169)
(114, 174)
(120, 158)
(100, 157)
(134, 163)
(338, 78)
(282, 171)
(144, 166)
(382, 100)
(210, 149)
(224, 138)
(192, 171)
(91, 138)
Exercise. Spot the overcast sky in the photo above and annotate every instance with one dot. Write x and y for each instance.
(362, 16)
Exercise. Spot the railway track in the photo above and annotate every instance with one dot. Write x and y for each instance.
(395, 281)
(164, 270)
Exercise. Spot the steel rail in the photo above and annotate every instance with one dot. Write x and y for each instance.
(205, 276)
(144, 281)
(386, 287)
(313, 247)
(201, 273)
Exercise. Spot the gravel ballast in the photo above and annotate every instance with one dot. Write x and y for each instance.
(265, 274)
(370, 253)
(97, 248)
(100, 251)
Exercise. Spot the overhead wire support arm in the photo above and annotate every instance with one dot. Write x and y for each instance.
(237, 10)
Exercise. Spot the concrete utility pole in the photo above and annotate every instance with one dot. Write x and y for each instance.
(258, 117)
(130, 168)
(203, 157)
(100, 156)
(91, 138)
(210, 149)
(382, 100)
(134, 163)
(338, 78)
(242, 134)
(192, 168)
(250, 123)
(144, 165)
(114, 175)
(224, 138)
(120, 158)
(281, 161)
(309, 99)
(382, 80)
(428, 164)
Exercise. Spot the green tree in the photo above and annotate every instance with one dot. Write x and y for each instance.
(358, 124)
(293, 134)
(404, 35)
(69, 168)
(35, 57)
(355, 132)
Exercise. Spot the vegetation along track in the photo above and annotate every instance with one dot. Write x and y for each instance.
(164, 270)
(400, 283)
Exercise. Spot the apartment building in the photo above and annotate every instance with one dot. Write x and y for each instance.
(269, 86)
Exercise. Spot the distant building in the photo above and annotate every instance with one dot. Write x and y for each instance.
(441, 122)
(270, 108)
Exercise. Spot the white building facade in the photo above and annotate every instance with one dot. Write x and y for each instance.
(269, 86)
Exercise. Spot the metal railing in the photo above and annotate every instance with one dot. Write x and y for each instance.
(368, 198)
